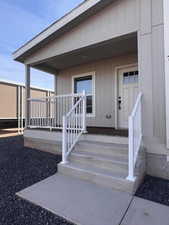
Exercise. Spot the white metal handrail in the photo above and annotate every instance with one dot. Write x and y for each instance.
(74, 124)
(47, 112)
(135, 136)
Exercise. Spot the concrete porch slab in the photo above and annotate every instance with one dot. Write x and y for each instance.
(144, 212)
(79, 201)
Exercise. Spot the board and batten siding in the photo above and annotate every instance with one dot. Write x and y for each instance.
(104, 86)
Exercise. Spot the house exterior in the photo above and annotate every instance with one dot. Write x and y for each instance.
(110, 61)
(12, 97)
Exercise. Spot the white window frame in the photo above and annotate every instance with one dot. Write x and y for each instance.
(93, 114)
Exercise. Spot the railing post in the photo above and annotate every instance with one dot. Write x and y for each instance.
(64, 141)
(84, 112)
(131, 151)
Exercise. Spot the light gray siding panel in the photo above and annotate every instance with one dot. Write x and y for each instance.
(105, 86)
(145, 16)
(158, 82)
(166, 64)
(117, 19)
(157, 12)
(145, 68)
(152, 83)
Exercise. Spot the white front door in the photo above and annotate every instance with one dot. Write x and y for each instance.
(127, 94)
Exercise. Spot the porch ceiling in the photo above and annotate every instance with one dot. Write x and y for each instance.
(118, 46)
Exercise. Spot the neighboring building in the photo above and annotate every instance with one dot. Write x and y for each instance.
(115, 50)
(12, 98)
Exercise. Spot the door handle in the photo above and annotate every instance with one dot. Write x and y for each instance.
(119, 102)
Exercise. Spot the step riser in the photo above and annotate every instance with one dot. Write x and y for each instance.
(105, 139)
(122, 185)
(101, 150)
(91, 162)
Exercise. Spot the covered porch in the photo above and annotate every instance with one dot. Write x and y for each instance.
(87, 95)
(94, 69)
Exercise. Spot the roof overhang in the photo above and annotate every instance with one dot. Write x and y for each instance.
(66, 23)
(120, 46)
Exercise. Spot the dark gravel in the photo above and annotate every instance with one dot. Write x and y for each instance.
(154, 189)
(19, 168)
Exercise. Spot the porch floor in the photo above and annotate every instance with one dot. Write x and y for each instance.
(98, 130)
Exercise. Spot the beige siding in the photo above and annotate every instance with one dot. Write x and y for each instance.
(8, 101)
(38, 93)
(104, 86)
(117, 19)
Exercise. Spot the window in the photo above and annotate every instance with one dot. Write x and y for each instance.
(130, 77)
(85, 83)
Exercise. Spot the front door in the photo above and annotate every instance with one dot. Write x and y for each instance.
(127, 94)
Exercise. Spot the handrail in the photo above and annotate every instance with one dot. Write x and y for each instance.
(135, 136)
(136, 104)
(73, 108)
(56, 96)
(74, 124)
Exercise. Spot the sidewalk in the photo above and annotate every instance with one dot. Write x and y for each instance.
(84, 203)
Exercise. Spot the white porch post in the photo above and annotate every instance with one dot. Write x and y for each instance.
(27, 95)
(55, 85)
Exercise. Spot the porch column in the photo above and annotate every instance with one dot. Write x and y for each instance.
(27, 94)
(151, 71)
(55, 84)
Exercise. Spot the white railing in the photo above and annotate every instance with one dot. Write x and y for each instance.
(48, 112)
(74, 124)
(135, 136)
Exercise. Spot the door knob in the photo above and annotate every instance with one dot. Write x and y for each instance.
(119, 102)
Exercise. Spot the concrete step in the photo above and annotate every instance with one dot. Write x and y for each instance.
(98, 176)
(104, 139)
(113, 164)
(107, 149)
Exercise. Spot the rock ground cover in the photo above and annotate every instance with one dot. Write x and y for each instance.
(19, 168)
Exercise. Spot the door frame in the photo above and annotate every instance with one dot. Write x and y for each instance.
(117, 68)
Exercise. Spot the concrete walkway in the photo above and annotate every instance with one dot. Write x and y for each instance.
(84, 203)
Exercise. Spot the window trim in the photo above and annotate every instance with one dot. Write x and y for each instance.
(93, 114)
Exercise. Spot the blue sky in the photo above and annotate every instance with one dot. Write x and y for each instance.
(20, 21)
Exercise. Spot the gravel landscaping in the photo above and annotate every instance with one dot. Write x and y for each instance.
(19, 168)
(154, 189)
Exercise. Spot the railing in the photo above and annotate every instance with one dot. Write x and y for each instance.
(48, 112)
(74, 124)
(135, 136)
